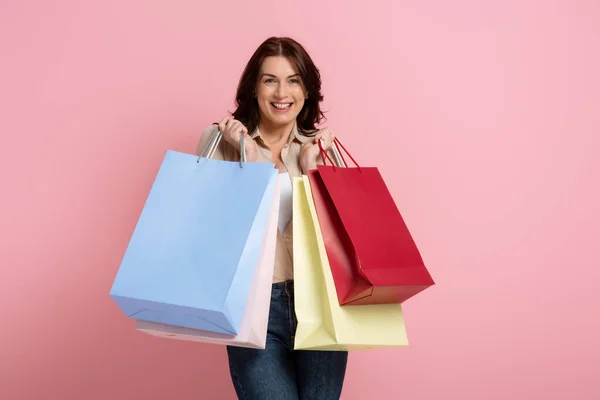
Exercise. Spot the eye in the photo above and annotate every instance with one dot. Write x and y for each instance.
(269, 80)
(295, 81)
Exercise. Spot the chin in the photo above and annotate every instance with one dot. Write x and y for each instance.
(282, 119)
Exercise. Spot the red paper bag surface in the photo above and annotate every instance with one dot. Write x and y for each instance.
(373, 257)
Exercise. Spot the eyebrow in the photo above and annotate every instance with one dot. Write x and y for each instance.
(291, 76)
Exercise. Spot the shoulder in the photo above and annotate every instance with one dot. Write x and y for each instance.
(208, 132)
(205, 138)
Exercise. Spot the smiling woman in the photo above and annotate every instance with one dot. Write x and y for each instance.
(283, 66)
(278, 108)
(285, 94)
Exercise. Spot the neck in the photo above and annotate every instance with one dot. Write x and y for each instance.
(275, 133)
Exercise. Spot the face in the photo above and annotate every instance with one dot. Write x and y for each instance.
(280, 92)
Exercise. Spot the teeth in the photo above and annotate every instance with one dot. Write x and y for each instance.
(282, 106)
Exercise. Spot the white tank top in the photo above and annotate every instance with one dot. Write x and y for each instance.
(285, 206)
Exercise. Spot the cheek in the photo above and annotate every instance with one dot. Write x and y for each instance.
(263, 99)
(300, 100)
(299, 97)
(263, 94)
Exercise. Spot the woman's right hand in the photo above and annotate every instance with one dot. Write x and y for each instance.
(232, 129)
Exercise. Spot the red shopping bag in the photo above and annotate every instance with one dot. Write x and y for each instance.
(373, 257)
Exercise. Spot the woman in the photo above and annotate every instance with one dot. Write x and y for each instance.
(277, 111)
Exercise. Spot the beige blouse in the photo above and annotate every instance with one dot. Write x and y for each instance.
(290, 155)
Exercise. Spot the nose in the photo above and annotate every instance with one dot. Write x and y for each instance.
(281, 91)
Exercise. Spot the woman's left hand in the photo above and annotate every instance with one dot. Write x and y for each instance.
(310, 150)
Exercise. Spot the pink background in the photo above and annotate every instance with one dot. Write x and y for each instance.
(482, 116)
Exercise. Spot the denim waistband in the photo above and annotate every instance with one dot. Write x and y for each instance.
(285, 288)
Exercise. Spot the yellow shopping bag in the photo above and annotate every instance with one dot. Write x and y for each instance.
(322, 323)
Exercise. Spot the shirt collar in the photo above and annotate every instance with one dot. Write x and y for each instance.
(294, 135)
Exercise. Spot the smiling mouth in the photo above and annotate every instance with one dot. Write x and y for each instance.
(281, 106)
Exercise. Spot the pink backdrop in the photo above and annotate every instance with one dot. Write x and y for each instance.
(483, 117)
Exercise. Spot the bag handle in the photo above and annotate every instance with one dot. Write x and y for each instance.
(340, 158)
(213, 144)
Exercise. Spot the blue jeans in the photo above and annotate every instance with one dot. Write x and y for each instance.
(280, 372)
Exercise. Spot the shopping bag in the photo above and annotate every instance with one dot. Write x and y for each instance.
(192, 256)
(253, 329)
(373, 257)
(323, 324)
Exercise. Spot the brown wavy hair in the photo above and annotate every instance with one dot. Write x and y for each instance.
(247, 111)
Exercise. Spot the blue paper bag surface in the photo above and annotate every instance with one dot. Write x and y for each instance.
(194, 250)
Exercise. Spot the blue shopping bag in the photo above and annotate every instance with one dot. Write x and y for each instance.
(195, 247)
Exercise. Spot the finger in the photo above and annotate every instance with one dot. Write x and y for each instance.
(247, 137)
(238, 129)
(225, 119)
(322, 144)
(325, 138)
(329, 135)
(223, 123)
(318, 137)
(231, 123)
(231, 132)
